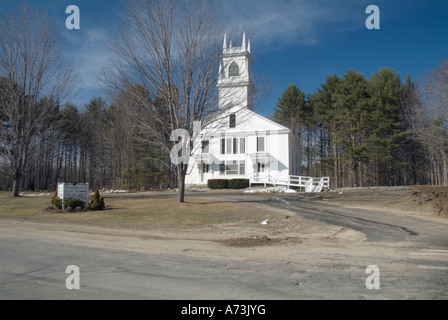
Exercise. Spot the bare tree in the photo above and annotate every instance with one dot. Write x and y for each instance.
(168, 57)
(427, 116)
(435, 102)
(31, 68)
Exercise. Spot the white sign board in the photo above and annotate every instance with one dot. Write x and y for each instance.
(73, 191)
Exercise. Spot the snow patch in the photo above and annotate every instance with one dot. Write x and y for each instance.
(271, 190)
(113, 191)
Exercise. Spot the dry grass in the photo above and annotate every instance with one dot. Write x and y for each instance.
(133, 212)
(161, 217)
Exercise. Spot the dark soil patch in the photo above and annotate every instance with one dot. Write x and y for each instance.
(259, 241)
(250, 242)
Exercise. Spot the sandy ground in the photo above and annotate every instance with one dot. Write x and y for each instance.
(248, 239)
(282, 236)
(275, 240)
(421, 201)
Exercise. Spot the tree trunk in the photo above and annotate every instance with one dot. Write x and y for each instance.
(181, 173)
(309, 152)
(444, 180)
(16, 185)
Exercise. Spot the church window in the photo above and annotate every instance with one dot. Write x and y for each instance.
(242, 167)
(205, 147)
(232, 167)
(223, 146)
(242, 145)
(260, 144)
(232, 120)
(234, 70)
(229, 146)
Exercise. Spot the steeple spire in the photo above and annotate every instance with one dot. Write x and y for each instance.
(235, 80)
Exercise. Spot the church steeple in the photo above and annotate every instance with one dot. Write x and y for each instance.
(235, 82)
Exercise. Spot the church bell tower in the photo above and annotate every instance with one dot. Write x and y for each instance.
(235, 83)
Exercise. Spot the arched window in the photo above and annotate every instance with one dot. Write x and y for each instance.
(234, 70)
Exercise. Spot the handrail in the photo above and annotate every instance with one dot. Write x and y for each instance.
(311, 184)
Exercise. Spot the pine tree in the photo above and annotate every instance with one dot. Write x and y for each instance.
(291, 109)
(97, 202)
(386, 126)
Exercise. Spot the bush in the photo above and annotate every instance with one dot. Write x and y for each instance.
(53, 199)
(68, 203)
(97, 202)
(238, 183)
(218, 183)
(57, 202)
(74, 203)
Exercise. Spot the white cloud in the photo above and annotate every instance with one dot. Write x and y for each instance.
(271, 24)
(287, 22)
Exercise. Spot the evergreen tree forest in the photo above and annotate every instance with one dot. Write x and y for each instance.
(382, 131)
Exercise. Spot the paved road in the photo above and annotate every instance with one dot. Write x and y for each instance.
(33, 268)
(36, 270)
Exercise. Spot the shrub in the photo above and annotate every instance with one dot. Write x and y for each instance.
(68, 203)
(53, 199)
(74, 203)
(238, 183)
(97, 202)
(218, 183)
(57, 202)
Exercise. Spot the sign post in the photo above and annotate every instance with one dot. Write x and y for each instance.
(78, 191)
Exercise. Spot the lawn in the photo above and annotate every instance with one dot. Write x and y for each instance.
(127, 211)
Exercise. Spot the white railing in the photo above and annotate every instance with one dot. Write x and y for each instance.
(309, 183)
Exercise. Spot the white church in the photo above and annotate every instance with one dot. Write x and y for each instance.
(239, 143)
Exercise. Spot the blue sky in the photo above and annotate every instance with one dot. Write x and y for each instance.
(293, 41)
